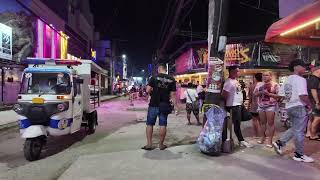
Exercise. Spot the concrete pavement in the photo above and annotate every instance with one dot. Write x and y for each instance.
(182, 161)
(8, 119)
(185, 162)
(118, 155)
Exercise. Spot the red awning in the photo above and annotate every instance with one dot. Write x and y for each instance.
(299, 28)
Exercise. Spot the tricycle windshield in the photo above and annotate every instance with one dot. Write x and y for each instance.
(46, 83)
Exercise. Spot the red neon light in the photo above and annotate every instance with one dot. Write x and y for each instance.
(67, 62)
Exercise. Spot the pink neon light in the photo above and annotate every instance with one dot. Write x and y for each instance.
(48, 41)
(182, 62)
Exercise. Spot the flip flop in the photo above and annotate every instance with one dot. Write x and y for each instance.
(269, 146)
(199, 124)
(314, 139)
(147, 148)
(163, 147)
(189, 123)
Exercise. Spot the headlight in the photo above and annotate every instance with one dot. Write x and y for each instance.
(61, 107)
(17, 108)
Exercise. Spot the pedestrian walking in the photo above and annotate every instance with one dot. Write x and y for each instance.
(162, 89)
(192, 103)
(253, 104)
(295, 94)
(314, 96)
(202, 95)
(267, 93)
(233, 96)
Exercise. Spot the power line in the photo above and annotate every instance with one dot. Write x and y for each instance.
(165, 21)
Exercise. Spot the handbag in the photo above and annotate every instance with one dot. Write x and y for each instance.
(228, 144)
(246, 115)
(195, 104)
(165, 108)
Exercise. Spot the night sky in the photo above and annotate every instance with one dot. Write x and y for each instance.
(136, 24)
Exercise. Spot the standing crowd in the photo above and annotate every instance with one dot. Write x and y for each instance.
(300, 96)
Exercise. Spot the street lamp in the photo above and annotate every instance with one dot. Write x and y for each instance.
(124, 56)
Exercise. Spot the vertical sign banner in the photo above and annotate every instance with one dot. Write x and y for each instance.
(5, 42)
(216, 71)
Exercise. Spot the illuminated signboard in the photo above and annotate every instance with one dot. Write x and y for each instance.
(237, 54)
(93, 55)
(5, 42)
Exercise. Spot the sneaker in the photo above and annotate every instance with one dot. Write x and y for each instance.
(302, 158)
(278, 147)
(245, 144)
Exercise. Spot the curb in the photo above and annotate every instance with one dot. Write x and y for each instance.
(111, 98)
(6, 108)
(15, 124)
(9, 126)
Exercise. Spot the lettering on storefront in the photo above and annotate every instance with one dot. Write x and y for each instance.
(237, 54)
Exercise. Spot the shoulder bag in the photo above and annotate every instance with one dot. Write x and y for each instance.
(195, 104)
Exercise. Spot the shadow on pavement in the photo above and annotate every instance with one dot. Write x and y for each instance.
(58, 144)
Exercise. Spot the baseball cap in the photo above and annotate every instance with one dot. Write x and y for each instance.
(296, 62)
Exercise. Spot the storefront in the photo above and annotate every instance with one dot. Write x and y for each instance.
(191, 63)
(251, 57)
(23, 35)
(299, 28)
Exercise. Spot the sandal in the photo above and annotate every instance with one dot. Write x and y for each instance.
(307, 136)
(189, 123)
(199, 124)
(147, 148)
(261, 141)
(163, 147)
(269, 146)
(314, 139)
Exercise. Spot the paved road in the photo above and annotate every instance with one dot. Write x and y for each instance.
(112, 116)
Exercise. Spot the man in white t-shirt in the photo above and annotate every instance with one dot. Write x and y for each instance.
(232, 93)
(191, 98)
(295, 95)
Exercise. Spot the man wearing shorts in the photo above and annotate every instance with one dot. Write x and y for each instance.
(162, 89)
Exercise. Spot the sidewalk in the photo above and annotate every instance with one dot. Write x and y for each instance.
(185, 162)
(118, 156)
(8, 118)
(124, 159)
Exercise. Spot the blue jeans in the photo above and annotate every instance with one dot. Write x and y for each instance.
(298, 117)
(153, 113)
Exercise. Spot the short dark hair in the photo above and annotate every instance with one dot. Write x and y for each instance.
(231, 68)
(296, 62)
(190, 85)
(162, 65)
(258, 77)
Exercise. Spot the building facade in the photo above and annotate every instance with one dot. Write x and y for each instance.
(28, 29)
(79, 25)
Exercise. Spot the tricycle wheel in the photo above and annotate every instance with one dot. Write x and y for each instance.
(32, 148)
(92, 122)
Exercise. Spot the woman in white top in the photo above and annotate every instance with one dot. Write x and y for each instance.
(191, 106)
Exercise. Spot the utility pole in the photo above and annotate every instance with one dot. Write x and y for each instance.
(217, 26)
